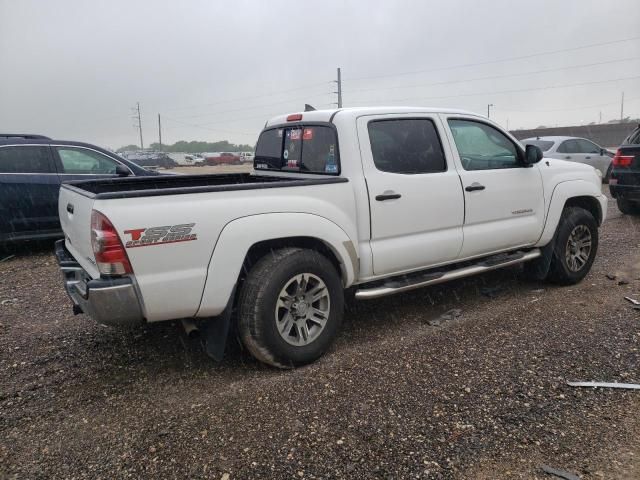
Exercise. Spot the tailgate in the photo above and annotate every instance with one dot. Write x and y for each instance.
(75, 217)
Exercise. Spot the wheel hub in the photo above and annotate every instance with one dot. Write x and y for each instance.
(578, 248)
(302, 309)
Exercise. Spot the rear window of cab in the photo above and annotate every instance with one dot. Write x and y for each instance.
(299, 148)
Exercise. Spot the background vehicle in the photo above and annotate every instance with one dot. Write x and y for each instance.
(625, 176)
(32, 167)
(151, 160)
(412, 197)
(223, 158)
(246, 157)
(575, 149)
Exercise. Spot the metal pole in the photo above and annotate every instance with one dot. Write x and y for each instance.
(140, 126)
(339, 89)
(622, 108)
(488, 110)
(159, 132)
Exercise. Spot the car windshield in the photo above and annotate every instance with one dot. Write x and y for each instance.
(543, 145)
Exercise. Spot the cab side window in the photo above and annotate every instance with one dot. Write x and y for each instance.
(569, 146)
(82, 161)
(25, 159)
(406, 146)
(483, 147)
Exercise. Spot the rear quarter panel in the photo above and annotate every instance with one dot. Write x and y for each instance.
(172, 276)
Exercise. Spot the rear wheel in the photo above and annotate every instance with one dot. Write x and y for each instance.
(290, 307)
(627, 207)
(607, 176)
(575, 246)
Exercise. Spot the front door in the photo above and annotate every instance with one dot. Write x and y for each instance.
(504, 200)
(415, 197)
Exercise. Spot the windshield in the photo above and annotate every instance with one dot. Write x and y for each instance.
(300, 148)
(543, 145)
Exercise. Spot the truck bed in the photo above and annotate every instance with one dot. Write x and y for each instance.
(130, 187)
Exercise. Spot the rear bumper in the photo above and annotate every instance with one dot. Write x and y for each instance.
(108, 301)
(628, 192)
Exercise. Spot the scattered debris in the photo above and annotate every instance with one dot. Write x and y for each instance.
(491, 292)
(626, 386)
(7, 258)
(9, 301)
(446, 316)
(559, 473)
(610, 276)
(632, 300)
(623, 282)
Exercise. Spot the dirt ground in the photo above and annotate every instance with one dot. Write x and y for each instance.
(480, 396)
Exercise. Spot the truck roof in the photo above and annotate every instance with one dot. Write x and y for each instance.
(327, 115)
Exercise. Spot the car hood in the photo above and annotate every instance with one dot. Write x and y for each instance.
(572, 170)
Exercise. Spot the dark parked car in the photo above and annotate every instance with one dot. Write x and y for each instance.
(624, 184)
(32, 167)
(152, 160)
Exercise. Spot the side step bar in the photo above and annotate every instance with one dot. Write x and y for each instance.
(402, 285)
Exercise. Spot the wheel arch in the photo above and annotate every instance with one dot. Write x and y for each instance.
(244, 241)
(575, 193)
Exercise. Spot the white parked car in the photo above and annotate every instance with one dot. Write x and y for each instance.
(410, 197)
(246, 157)
(575, 149)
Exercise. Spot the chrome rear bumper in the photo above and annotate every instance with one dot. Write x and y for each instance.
(108, 301)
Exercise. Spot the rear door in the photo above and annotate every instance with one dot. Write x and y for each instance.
(504, 200)
(82, 163)
(28, 191)
(416, 201)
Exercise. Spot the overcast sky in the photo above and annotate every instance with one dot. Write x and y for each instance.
(218, 69)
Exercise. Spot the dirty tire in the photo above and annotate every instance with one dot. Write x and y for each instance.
(257, 305)
(560, 271)
(627, 207)
(607, 175)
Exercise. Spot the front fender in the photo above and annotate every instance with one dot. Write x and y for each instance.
(239, 235)
(561, 193)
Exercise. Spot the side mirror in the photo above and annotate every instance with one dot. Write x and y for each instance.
(532, 155)
(122, 171)
(603, 152)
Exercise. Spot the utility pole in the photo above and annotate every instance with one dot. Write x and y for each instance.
(159, 132)
(489, 110)
(138, 117)
(339, 92)
(622, 108)
(600, 117)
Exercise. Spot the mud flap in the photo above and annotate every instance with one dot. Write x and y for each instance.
(217, 331)
(538, 269)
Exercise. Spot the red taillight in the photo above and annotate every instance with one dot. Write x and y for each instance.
(108, 250)
(294, 117)
(622, 160)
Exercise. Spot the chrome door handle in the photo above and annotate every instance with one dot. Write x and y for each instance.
(567, 157)
(587, 158)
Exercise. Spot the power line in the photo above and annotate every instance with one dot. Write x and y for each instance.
(206, 128)
(495, 77)
(253, 107)
(489, 62)
(585, 107)
(513, 91)
(253, 97)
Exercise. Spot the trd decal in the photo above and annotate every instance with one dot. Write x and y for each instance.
(145, 237)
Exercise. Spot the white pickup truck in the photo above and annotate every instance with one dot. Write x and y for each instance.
(374, 200)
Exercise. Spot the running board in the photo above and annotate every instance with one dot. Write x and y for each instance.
(398, 285)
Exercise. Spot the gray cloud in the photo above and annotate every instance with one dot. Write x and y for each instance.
(73, 69)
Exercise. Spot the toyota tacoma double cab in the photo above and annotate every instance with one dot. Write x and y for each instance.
(373, 201)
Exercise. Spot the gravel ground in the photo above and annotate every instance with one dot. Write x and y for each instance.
(481, 395)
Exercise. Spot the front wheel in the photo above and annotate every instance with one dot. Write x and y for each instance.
(290, 307)
(575, 246)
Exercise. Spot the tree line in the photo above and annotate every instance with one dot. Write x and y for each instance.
(192, 147)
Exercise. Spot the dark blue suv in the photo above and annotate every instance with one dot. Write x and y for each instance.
(32, 167)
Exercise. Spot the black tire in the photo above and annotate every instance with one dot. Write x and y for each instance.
(560, 271)
(257, 306)
(607, 176)
(627, 207)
